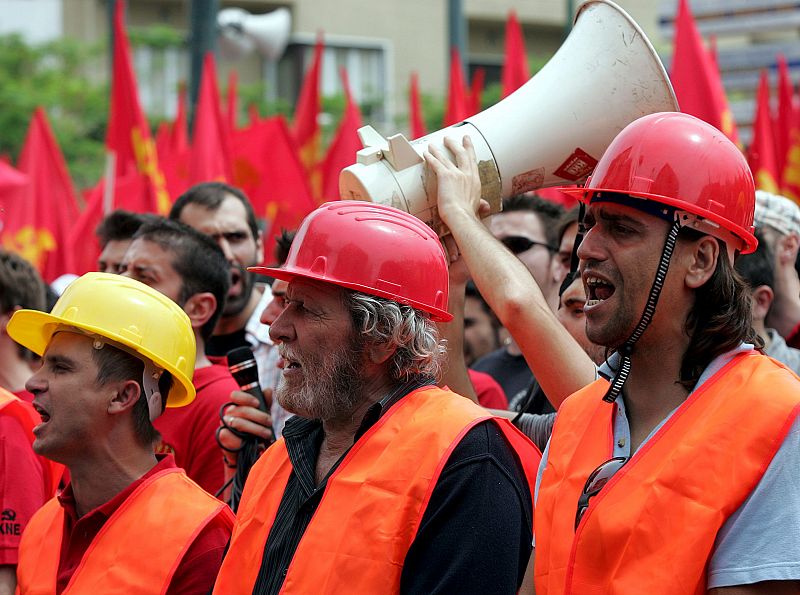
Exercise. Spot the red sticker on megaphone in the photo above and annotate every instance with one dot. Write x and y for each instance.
(578, 165)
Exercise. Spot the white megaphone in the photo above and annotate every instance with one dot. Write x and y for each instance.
(551, 131)
(241, 32)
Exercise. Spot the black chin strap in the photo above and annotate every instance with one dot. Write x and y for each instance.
(626, 349)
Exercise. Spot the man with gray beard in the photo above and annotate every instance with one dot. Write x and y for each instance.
(382, 482)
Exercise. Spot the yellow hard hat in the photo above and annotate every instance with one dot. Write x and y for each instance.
(125, 311)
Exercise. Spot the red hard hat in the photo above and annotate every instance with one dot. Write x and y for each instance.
(370, 248)
(678, 160)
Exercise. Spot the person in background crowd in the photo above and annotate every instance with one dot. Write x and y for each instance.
(778, 220)
(480, 326)
(526, 226)
(114, 353)
(27, 480)
(190, 269)
(115, 233)
(224, 213)
(757, 269)
(432, 471)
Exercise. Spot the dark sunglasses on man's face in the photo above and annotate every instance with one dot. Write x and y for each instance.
(596, 482)
(520, 244)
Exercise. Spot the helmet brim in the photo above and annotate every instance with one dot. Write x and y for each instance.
(34, 330)
(288, 274)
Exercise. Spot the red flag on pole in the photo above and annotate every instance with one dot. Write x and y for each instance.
(344, 146)
(785, 117)
(128, 135)
(173, 150)
(416, 124)
(761, 153)
(268, 170)
(37, 223)
(515, 62)
(458, 104)
(476, 91)
(305, 127)
(790, 181)
(232, 103)
(210, 156)
(696, 79)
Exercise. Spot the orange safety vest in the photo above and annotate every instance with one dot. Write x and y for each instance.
(27, 417)
(652, 528)
(373, 503)
(138, 549)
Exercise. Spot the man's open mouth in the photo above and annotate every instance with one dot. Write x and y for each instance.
(597, 290)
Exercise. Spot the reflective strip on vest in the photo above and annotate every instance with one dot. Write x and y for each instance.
(138, 549)
(652, 528)
(373, 503)
(27, 417)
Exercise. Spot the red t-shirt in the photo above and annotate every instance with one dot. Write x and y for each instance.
(197, 570)
(189, 433)
(23, 485)
(490, 393)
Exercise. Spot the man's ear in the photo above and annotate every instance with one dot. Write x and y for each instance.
(260, 247)
(762, 300)
(702, 261)
(125, 397)
(200, 308)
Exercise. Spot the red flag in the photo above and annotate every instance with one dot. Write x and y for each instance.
(210, 156)
(761, 153)
(128, 134)
(515, 62)
(180, 134)
(476, 91)
(269, 171)
(785, 117)
(790, 181)
(37, 223)
(458, 104)
(416, 124)
(11, 179)
(305, 128)
(232, 103)
(252, 114)
(344, 146)
(695, 78)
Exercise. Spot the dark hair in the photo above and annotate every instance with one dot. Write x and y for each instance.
(120, 225)
(567, 218)
(21, 286)
(720, 318)
(114, 364)
(210, 195)
(283, 244)
(197, 259)
(757, 268)
(548, 212)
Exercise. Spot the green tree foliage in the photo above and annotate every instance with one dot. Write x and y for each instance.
(55, 76)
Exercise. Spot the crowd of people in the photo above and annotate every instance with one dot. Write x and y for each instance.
(602, 400)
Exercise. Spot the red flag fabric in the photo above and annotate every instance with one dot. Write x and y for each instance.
(37, 222)
(476, 91)
(180, 129)
(696, 79)
(11, 179)
(790, 181)
(785, 117)
(416, 124)
(232, 103)
(344, 146)
(515, 61)
(128, 134)
(173, 151)
(210, 156)
(305, 127)
(252, 114)
(269, 171)
(761, 153)
(458, 104)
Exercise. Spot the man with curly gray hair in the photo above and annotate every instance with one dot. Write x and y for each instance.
(381, 479)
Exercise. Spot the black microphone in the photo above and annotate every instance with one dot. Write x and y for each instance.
(243, 368)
